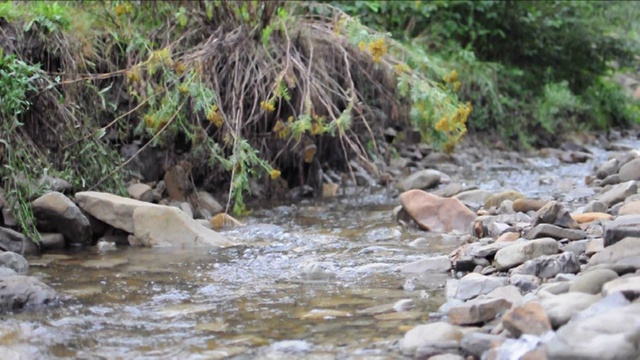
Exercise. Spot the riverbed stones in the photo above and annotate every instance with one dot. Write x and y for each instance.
(588, 217)
(607, 168)
(477, 311)
(556, 232)
(15, 262)
(433, 264)
(140, 191)
(55, 212)
(628, 285)
(561, 307)
(435, 213)
(475, 196)
(554, 213)
(630, 170)
(607, 335)
(476, 343)
(618, 193)
(422, 180)
(429, 334)
(496, 199)
(620, 228)
(591, 281)
(151, 224)
(548, 266)
(530, 318)
(525, 205)
(11, 240)
(19, 292)
(627, 247)
(519, 252)
(474, 284)
(631, 208)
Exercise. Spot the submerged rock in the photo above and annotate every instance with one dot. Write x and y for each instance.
(18, 292)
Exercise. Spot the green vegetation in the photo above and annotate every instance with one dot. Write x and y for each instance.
(528, 67)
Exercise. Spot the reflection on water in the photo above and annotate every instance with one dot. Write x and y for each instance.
(308, 282)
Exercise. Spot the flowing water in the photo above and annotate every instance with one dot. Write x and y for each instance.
(304, 283)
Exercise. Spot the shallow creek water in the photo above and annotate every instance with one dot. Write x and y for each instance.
(296, 288)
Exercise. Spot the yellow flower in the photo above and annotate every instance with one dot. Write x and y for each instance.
(267, 106)
(402, 68)
(148, 120)
(452, 77)
(442, 124)
(456, 86)
(214, 117)
(133, 75)
(449, 146)
(362, 46)
(274, 174)
(180, 68)
(122, 9)
(183, 89)
(280, 129)
(378, 49)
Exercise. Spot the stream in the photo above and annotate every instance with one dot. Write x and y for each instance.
(312, 280)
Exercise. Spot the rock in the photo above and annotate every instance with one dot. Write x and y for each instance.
(476, 343)
(529, 318)
(224, 221)
(473, 196)
(526, 283)
(594, 246)
(561, 307)
(330, 190)
(19, 292)
(628, 285)
(609, 335)
(208, 205)
(15, 262)
(556, 232)
(429, 334)
(610, 180)
(473, 284)
(555, 288)
(590, 216)
(144, 163)
(618, 193)
(477, 311)
(507, 237)
(591, 282)
(8, 218)
(509, 293)
(433, 264)
(546, 267)
(140, 191)
(620, 228)
(519, 252)
(596, 206)
(177, 181)
(167, 226)
(525, 205)
(630, 170)
(54, 183)
(423, 179)
(434, 213)
(609, 167)
(449, 190)
(11, 240)
(496, 199)
(52, 241)
(55, 212)
(632, 208)
(610, 255)
(556, 214)
(577, 247)
(446, 357)
(151, 224)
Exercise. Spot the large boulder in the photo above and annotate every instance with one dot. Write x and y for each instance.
(624, 248)
(435, 213)
(15, 262)
(630, 170)
(56, 213)
(620, 228)
(151, 224)
(19, 291)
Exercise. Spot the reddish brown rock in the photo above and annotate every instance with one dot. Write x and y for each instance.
(435, 213)
(590, 216)
(530, 318)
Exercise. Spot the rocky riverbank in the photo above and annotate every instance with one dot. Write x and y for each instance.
(538, 279)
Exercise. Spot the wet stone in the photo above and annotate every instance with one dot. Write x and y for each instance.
(19, 292)
(473, 284)
(15, 262)
(434, 264)
(477, 343)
